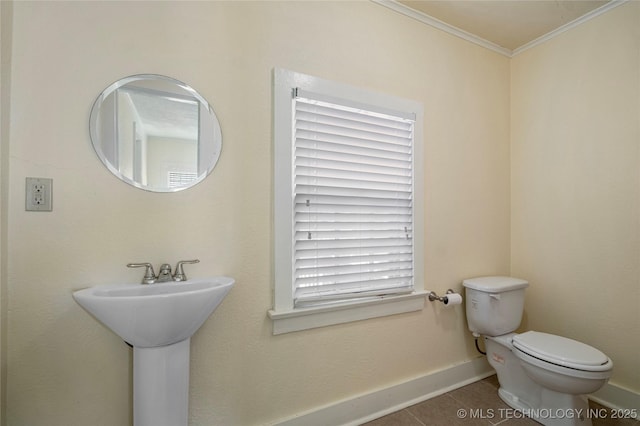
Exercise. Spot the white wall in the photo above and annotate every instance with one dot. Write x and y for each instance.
(575, 186)
(6, 13)
(166, 155)
(64, 368)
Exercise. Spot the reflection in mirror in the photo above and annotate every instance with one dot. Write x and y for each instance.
(155, 133)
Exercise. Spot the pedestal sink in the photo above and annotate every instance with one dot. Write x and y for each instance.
(158, 320)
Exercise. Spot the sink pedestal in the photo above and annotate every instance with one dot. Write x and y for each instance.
(161, 385)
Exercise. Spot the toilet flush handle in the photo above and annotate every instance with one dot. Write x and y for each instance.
(494, 296)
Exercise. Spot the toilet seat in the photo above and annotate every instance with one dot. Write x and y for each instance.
(561, 352)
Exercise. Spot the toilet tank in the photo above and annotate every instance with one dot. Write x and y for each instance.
(494, 304)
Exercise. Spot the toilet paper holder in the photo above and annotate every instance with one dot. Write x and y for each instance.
(433, 296)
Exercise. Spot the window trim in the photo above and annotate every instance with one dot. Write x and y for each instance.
(285, 317)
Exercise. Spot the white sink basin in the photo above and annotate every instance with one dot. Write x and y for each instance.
(154, 315)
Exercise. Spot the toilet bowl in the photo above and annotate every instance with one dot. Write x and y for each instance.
(562, 364)
(542, 375)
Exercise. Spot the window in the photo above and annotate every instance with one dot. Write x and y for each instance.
(348, 203)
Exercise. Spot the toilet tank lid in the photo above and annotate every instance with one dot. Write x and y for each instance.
(495, 284)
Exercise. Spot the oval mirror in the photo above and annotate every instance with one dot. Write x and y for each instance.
(155, 133)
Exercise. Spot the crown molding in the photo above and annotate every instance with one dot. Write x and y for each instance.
(569, 25)
(436, 23)
(472, 38)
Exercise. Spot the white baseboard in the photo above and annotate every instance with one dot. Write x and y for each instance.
(618, 398)
(370, 406)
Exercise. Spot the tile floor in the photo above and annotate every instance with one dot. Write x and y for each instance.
(479, 399)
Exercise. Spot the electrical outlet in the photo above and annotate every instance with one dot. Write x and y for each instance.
(39, 195)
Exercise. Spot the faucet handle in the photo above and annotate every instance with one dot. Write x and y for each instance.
(179, 274)
(149, 274)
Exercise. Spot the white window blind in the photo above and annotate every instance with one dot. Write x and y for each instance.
(353, 201)
(177, 179)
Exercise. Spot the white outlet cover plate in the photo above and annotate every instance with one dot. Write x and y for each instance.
(35, 201)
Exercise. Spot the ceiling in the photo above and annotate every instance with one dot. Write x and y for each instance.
(164, 115)
(509, 24)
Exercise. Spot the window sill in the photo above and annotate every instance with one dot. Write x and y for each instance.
(307, 318)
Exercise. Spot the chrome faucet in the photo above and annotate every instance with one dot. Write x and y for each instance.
(164, 275)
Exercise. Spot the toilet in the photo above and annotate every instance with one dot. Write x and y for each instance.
(541, 375)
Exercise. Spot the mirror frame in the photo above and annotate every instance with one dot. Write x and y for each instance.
(213, 135)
